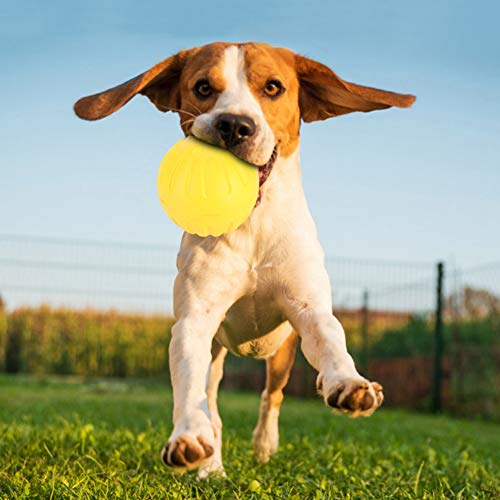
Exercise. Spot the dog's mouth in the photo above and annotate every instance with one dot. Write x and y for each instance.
(265, 171)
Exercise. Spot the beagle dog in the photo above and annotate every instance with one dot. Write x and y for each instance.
(260, 288)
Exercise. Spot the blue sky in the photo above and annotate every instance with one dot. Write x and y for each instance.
(418, 184)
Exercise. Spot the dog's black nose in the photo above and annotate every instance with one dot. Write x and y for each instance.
(234, 129)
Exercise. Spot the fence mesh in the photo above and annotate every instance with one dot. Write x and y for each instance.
(117, 299)
(87, 274)
(472, 315)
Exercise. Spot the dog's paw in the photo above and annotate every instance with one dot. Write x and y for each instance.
(186, 451)
(265, 441)
(192, 442)
(357, 397)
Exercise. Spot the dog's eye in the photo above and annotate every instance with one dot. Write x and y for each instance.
(273, 88)
(203, 89)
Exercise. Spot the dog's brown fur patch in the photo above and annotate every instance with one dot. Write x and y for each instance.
(263, 63)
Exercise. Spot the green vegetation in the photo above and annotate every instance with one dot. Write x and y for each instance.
(471, 383)
(66, 438)
(3, 334)
(67, 342)
(43, 340)
(416, 337)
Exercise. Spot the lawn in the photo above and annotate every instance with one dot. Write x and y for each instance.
(67, 438)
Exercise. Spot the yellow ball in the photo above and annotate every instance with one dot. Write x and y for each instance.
(206, 190)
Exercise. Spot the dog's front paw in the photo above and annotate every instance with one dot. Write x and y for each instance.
(357, 397)
(186, 451)
(192, 442)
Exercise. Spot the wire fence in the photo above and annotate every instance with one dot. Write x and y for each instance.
(87, 274)
(98, 308)
(472, 313)
(134, 277)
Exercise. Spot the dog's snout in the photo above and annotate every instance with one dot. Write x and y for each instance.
(234, 129)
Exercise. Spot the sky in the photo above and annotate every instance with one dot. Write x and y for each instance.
(419, 184)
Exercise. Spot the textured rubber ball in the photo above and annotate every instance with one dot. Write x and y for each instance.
(206, 190)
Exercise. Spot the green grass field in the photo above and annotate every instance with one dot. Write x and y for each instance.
(64, 438)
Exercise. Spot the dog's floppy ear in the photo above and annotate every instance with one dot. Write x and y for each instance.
(160, 84)
(322, 94)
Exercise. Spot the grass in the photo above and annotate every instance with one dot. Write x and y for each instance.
(66, 438)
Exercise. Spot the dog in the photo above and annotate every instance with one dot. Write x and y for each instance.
(261, 288)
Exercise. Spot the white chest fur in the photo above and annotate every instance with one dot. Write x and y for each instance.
(258, 268)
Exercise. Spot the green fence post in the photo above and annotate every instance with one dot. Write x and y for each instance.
(364, 334)
(438, 341)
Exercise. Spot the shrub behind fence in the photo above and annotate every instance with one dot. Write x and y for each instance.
(43, 341)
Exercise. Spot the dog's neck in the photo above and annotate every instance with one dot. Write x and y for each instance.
(281, 216)
(284, 181)
(283, 208)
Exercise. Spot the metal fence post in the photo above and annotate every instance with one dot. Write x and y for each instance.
(438, 341)
(364, 333)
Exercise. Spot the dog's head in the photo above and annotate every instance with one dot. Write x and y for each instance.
(248, 98)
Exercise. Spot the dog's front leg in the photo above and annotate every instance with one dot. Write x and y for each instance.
(324, 346)
(193, 438)
(202, 296)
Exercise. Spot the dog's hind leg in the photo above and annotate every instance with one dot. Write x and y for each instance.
(278, 367)
(213, 464)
